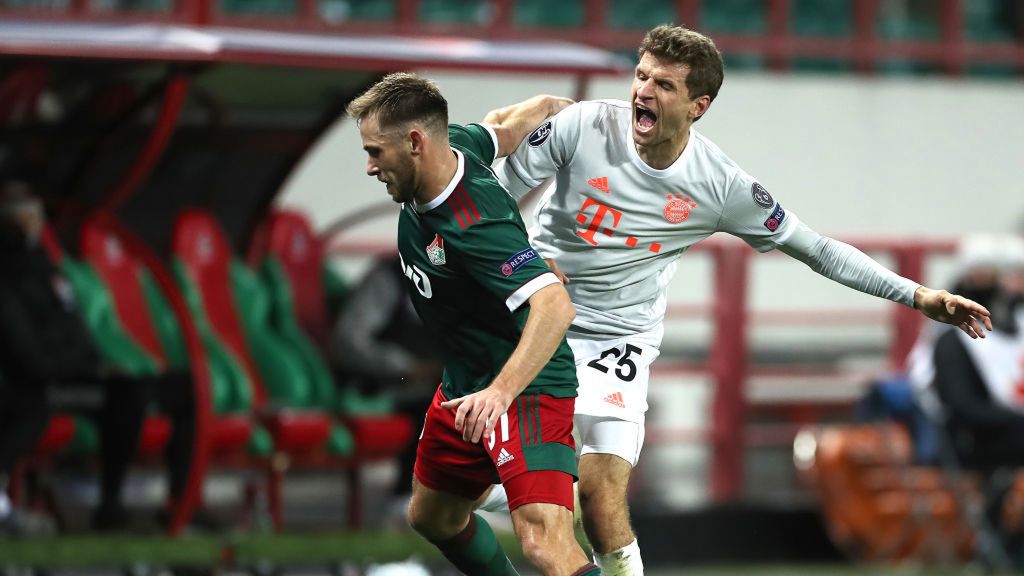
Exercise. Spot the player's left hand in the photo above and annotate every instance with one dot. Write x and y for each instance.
(954, 309)
(477, 413)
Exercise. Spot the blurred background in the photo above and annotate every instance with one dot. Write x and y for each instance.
(205, 219)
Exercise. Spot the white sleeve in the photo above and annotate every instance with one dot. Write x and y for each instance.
(549, 147)
(845, 264)
(751, 213)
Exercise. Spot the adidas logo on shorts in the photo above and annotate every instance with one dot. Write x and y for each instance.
(615, 399)
(504, 457)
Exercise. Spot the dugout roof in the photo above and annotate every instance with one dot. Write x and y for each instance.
(179, 42)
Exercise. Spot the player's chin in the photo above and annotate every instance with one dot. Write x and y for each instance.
(641, 136)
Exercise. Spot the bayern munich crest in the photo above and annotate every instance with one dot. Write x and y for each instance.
(678, 208)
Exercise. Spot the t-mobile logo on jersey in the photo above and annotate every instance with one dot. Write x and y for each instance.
(595, 222)
(590, 233)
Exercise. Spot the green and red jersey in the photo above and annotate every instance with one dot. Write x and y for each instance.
(473, 271)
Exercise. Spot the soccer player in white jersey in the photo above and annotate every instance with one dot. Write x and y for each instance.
(635, 186)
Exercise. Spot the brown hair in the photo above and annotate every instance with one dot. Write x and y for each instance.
(680, 45)
(403, 98)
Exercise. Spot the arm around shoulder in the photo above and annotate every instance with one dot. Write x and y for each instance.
(512, 123)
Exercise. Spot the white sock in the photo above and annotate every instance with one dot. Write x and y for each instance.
(622, 562)
(5, 505)
(496, 501)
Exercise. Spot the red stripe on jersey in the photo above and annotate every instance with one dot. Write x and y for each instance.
(461, 199)
(469, 202)
(457, 200)
(455, 210)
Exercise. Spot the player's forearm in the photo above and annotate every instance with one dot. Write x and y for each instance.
(512, 123)
(551, 313)
(848, 266)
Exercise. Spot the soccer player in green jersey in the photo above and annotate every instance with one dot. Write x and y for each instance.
(503, 412)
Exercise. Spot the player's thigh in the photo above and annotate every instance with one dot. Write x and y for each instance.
(533, 452)
(608, 435)
(604, 480)
(436, 514)
(447, 463)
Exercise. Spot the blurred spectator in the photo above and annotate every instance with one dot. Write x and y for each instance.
(49, 362)
(379, 345)
(981, 387)
(976, 271)
(910, 398)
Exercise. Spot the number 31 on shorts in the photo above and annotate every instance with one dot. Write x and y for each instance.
(625, 368)
(503, 425)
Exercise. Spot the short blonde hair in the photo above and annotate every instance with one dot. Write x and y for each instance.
(402, 98)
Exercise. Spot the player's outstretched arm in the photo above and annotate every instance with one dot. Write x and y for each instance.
(512, 123)
(551, 312)
(954, 309)
(845, 264)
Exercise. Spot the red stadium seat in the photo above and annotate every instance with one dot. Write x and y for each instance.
(120, 272)
(204, 262)
(58, 434)
(291, 239)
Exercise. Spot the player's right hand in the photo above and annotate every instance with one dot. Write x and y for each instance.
(556, 270)
(477, 413)
(967, 315)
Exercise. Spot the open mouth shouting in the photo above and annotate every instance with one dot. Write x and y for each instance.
(644, 119)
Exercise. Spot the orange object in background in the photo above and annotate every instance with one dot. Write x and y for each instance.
(878, 505)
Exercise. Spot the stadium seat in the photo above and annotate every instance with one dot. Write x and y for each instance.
(288, 238)
(566, 14)
(147, 317)
(640, 14)
(292, 259)
(455, 11)
(116, 348)
(877, 505)
(216, 288)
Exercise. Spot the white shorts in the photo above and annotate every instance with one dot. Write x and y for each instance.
(607, 435)
(613, 377)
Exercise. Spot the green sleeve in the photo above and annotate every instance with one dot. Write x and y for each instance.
(498, 255)
(474, 139)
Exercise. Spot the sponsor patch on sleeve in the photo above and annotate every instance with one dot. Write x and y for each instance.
(517, 261)
(775, 220)
(538, 136)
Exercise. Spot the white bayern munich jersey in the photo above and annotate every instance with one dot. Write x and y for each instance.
(615, 226)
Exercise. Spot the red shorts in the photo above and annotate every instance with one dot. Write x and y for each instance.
(531, 452)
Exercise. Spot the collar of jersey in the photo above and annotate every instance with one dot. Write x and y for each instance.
(459, 171)
(646, 168)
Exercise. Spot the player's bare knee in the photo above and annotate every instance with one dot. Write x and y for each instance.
(432, 526)
(417, 521)
(537, 549)
(602, 490)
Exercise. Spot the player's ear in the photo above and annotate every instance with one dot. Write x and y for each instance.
(699, 106)
(416, 140)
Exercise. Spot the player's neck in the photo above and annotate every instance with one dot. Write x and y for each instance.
(663, 154)
(437, 175)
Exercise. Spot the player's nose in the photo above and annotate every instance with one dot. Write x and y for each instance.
(371, 168)
(645, 89)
